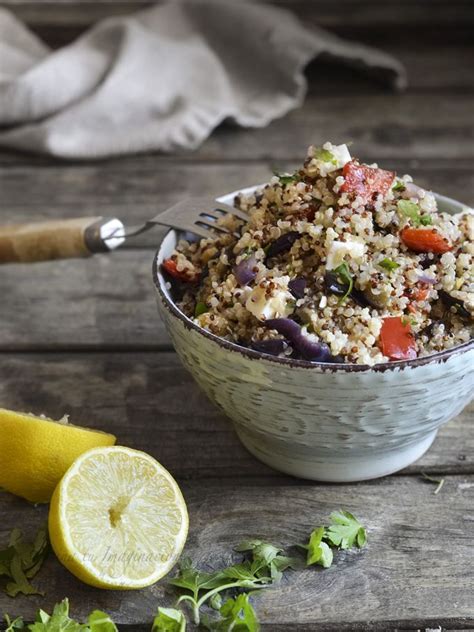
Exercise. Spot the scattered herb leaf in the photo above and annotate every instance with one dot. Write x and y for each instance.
(345, 531)
(286, 178)
(169, 620)
(60, 621)
(439, 482)
(344, 276)
(412, 211)
(201, 308)
(14, 625)
(20, 562)
(388, 264)
(325, 155)
(318, 550)
(399, 186)
(235, 614)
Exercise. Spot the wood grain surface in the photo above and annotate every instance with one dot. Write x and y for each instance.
(418, 562)
(84, 337)
(139, 398)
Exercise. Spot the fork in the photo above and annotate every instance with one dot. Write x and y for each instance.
(81, 237)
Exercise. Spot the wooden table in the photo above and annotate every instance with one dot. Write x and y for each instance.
(83, 337)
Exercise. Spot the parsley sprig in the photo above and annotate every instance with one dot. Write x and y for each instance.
(344, 532)
(20, 561)
(60, 621)
(265, 567)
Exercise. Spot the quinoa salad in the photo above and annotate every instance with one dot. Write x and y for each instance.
(339, 262)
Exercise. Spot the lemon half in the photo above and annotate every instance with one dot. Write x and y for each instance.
(35, 452)
(118, 519)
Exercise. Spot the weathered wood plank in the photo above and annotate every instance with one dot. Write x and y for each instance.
(383, 127)
(138, 188)
(416, 570)
(139, 398)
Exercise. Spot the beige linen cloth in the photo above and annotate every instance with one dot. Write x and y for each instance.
(163, 78)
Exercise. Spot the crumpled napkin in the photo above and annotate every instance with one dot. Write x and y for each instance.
(163, 78)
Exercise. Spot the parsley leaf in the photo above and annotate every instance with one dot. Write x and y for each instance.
(344, 276)
(325, 155)
(99, 621)
(318, 551)
(237, 615)
(14, 625)
(169, 620)
(58, 621)
(399, 186)
(345, 531)
(412, 211)
(20, 562)
(201, 308)
(268, 557)
(388, 264)
(286, 178)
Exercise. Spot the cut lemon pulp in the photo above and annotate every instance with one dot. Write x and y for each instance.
(118, 519)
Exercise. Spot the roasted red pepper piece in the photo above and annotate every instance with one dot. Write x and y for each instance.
(169, 266)
(396, 339)
(364, 181)
(425, 240)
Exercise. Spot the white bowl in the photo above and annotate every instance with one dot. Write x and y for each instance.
(326, 422)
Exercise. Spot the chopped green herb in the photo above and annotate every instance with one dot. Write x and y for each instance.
(21, 561)
(14, 625)
(203, 586)
(235, 614)
(412, 211)
(388, 264)
(60, 621)
(344, 276)
(439, 481)
(201, 308)
(399, 186)
(286, 178)
(99, 621)
(345, 531)
(408, 209)
(169, 620)
(318, 550)
(325, 155)
(407, 320)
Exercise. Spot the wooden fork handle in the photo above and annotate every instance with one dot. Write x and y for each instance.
(56, 239)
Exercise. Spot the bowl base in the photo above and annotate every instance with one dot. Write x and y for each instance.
(342, 470)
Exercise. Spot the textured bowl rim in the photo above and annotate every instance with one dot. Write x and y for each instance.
(435, 358)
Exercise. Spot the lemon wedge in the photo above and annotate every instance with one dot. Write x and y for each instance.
(118, 519)
(35, 452)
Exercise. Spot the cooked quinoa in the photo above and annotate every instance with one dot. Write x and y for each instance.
(339, 262)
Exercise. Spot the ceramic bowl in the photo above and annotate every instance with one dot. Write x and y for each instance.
(326, 422)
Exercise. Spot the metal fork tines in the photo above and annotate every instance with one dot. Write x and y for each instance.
(194, 215)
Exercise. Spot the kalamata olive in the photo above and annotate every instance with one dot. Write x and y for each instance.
(454, 304)
(282, 244)
(245, 270)
(302, 344)
(272, 347)
(297, 287)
